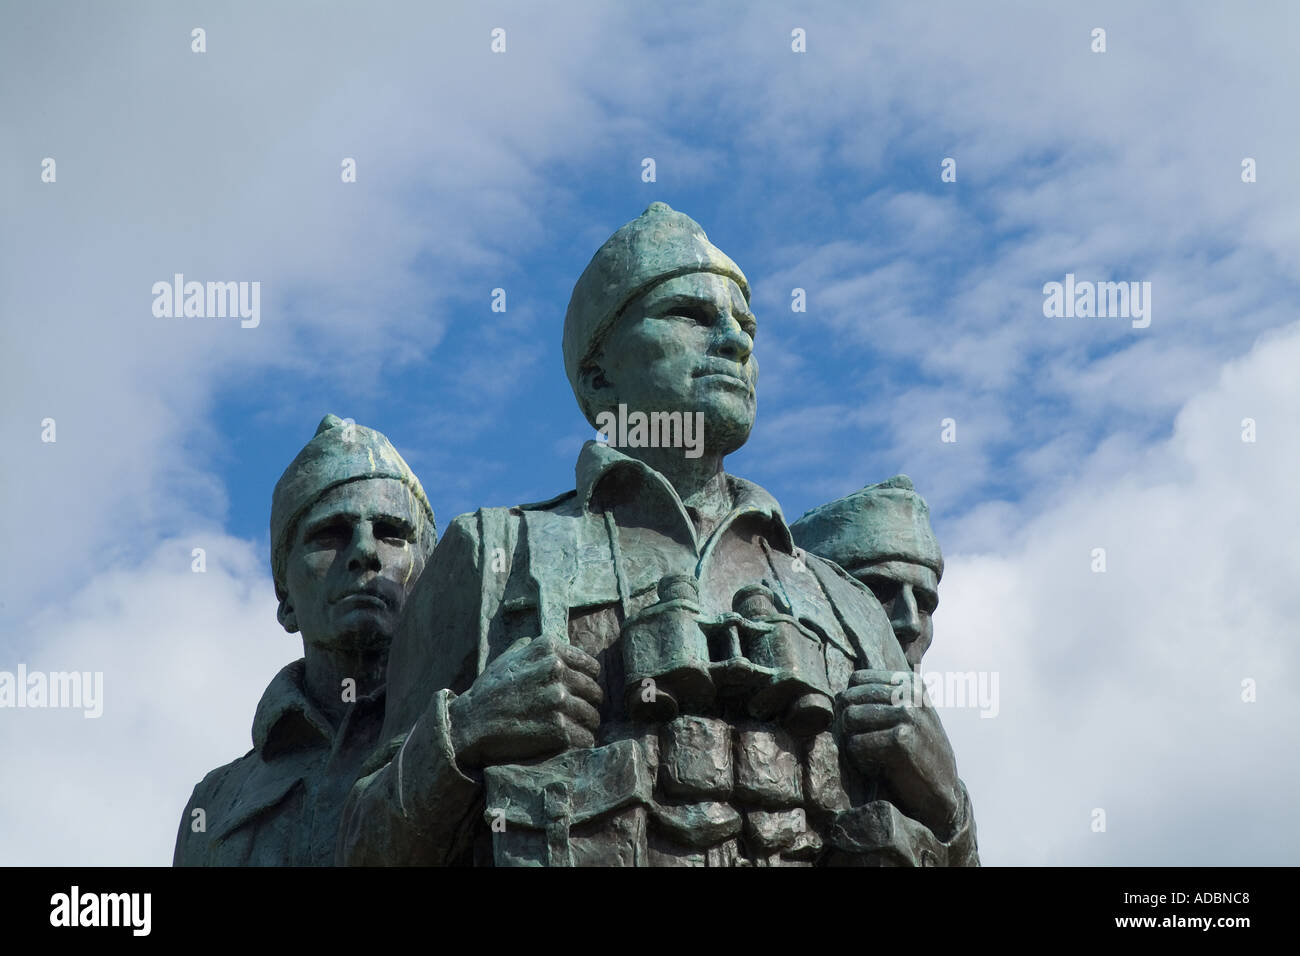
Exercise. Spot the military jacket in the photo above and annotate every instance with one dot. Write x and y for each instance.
(726, 777)
(279, 804)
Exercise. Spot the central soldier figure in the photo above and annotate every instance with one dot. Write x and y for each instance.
(646, 670)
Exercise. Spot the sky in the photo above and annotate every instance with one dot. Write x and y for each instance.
(1160, 691)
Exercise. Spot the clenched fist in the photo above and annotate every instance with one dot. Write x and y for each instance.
(904, 744)
(538, 698)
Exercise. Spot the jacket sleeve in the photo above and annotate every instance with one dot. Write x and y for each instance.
(962, 847)
(877, 833)
(191, 847)
(413, 805)
(418, 809)
(212, 799)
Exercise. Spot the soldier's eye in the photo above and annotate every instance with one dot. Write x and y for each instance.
(884, 589)
(393, 532)
(694, 313)
(329, 535)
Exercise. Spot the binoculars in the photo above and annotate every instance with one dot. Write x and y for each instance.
(678, 661)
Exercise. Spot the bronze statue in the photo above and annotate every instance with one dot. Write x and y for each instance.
(351, 530)
(646, 670)
(881, 535)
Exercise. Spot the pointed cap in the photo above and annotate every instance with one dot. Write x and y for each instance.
(339, 452)
(888, 521)
(659, 244)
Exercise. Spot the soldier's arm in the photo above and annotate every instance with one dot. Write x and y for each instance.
(418, 808)
(191, 847)
(962, 847)
(413, 803)
(208, 804)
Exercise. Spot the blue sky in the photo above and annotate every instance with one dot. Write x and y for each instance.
(818, 170)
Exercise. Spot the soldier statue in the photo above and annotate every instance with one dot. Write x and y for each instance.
(881, 535)
(351, 530)
(646, 670)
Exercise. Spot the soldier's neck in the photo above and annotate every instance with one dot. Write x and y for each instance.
(691, 478)
(328, 667)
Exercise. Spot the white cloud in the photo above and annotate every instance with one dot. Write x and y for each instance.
(226, 166)
(1123, 690)
(1123, 165)
(185, 658)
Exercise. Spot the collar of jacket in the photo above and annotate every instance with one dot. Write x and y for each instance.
(285, 713)
(598, 460)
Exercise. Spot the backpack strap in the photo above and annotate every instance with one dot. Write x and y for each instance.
(498, 535)
(552, 542)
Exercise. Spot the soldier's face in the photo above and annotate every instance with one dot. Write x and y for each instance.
(354, 560)
(909, 594)
(687, 345)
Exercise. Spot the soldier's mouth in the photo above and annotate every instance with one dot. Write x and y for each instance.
(722, 375)
(367, 596)
(368, 599)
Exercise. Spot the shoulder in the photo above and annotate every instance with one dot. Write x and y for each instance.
(479, 531)
(550, 504)
(859, 612)
(212, 796)
(440, 640)
(844, 587)
(483, 537)
(437, 643)
(224, 780)
(828, 568)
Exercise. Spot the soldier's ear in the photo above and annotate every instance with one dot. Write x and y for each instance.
(596, 388)
(287, 616)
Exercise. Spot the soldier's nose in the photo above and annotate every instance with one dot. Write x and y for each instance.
(364, 555)
(733, 342)
(904, 616)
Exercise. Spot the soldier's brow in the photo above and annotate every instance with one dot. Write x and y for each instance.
(701, 299)
(325, 519)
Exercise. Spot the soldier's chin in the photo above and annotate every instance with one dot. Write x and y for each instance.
(727, 425)
(362, 630)
(916, 650)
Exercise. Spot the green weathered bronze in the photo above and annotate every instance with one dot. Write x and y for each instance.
(645, 670)
(351, 530)
(881, 535)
